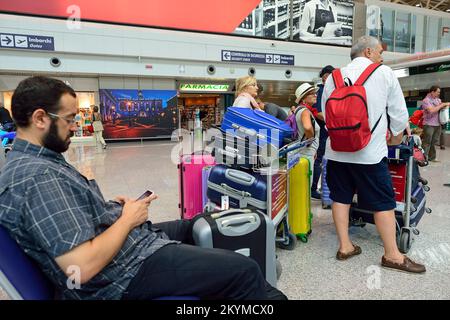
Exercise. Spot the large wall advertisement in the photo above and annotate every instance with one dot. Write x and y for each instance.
(320, 21)
(129, 114)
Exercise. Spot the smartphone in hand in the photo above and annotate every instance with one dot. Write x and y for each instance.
(146, 194)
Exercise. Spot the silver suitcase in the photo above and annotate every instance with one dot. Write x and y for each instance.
(244, 231)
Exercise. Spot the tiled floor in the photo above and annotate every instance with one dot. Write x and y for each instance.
(311, 270)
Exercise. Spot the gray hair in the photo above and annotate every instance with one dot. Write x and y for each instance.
(361, 44)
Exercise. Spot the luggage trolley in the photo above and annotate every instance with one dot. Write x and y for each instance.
(410, 197)
(268, 163)
(277, 179)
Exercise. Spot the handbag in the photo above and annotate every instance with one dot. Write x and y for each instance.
(443, 116)
(90, 128)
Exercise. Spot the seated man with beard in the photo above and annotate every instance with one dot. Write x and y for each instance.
(108, 248)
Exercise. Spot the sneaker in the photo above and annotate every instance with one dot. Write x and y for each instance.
(104, 146)
(316, 195)
(442, 147)
(407, 265)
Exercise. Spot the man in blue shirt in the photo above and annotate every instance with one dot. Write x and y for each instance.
(105, 249)
(324, 73)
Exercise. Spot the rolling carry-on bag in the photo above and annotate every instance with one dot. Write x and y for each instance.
(248, 122)
(244, 189)
(190, 183)
(244, 231)
(300, 215)
(418, 208)
(326, 200)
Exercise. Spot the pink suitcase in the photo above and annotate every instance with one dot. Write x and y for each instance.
(190, 173)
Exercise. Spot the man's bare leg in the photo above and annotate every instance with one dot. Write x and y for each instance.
(385, 222)
(341, 219)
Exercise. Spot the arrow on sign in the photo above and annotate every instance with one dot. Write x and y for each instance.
(7, 39)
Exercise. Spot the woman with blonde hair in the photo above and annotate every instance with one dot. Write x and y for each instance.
(246, 92)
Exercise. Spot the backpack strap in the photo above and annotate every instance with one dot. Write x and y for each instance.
(338, 79)
(366, 74)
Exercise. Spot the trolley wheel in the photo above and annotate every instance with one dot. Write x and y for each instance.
(426, 188)
(279, 269)
(423, 181)
(405, 242)
(289, 243)
(428, 210)
(303, 238)
(309, 232)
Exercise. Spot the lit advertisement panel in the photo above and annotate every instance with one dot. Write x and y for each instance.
(129, 114)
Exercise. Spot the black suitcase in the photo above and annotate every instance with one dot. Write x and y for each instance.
(245, 231)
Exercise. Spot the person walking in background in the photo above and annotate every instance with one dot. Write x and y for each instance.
(324, 73)
(98, 127)
(246, 92)
(431, 106)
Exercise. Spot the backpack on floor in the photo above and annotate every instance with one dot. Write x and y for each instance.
(347, 118)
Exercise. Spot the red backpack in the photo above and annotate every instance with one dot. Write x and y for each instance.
(346, 114)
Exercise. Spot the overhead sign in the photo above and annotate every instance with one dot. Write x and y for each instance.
(204, 87)
(430, 68)
(30, 42)
(255, 57)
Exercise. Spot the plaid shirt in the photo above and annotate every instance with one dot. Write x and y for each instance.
(49, 208)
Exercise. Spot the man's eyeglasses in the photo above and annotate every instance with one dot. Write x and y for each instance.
(70, 121)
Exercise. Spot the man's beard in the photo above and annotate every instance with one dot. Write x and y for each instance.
(53, 142)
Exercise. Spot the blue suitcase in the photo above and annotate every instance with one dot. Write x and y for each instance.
(326, 200)
(358, 215)
(242, 188)
(248, 122)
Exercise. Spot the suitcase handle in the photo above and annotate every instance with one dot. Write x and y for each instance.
(240, 177)
(228, 212)
(249, 132)
(229, 153)
(237, 221)
(243, 194)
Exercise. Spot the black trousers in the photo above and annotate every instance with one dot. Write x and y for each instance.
(187, 270)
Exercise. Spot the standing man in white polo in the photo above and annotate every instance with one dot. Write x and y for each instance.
(365, 171)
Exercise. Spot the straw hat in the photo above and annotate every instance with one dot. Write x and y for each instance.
(302, 90)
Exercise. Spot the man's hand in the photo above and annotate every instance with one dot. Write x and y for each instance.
(338, 32)
(319, 31)
(135, 212)
(121, 199)
(395, 140)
